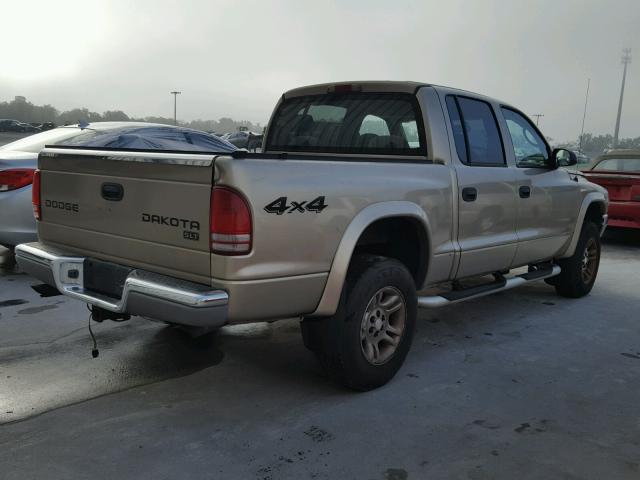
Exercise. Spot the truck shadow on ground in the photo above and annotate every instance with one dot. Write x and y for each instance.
(275, 350)
(274, 353)
(266, 350)
(170, 353)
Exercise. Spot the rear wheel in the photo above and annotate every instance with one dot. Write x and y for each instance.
(579, 271)
(365, 343)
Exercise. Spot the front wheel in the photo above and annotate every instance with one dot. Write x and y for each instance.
(366, 342)
(579, 271)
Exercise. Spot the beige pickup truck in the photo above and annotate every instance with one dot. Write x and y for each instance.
(365, 194)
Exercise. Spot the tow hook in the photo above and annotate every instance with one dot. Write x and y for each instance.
(100, 315)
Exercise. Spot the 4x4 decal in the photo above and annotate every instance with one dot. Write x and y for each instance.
(280, 206)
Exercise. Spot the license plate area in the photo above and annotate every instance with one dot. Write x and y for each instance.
(104, 277)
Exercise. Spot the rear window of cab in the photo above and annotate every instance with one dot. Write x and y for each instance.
(349, 123)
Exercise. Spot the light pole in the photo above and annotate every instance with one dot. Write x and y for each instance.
(584, 114)
(537, 115)
(175, 102)
(626, 60)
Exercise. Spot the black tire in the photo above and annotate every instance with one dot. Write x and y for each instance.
(338, 340)
(8, 259)
(573, 281)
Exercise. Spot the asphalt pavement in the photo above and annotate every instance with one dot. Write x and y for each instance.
(522, 384)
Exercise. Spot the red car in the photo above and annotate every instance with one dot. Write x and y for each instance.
(619, 172)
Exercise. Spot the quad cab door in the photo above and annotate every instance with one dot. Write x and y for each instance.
(487, 205)
(548, 199)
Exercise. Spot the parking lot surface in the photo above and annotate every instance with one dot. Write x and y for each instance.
(522, 384)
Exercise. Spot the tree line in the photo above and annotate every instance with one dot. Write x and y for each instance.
(596, 144)
(25, 111)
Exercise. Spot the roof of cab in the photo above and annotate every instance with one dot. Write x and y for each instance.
(379, 86)
(357, 86)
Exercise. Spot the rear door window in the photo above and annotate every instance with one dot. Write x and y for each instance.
(349, 123)
(475, 131)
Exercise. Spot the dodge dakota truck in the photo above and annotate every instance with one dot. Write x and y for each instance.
(365, 194)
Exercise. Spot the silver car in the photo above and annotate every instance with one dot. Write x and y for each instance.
(19, 159)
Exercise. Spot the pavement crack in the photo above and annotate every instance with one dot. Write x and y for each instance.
(631, 355)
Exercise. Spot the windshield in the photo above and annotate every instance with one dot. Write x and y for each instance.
(35, 143)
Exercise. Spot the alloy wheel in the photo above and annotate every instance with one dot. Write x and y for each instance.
(382, 325)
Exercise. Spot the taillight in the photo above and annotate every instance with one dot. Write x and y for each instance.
(230, 222)
(35, 195)
(15, 178)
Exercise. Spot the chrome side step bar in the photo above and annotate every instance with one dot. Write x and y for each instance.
(456, 296)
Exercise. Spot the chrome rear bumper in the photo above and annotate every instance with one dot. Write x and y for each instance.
(144, 293)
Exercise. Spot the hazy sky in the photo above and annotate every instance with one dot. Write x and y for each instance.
(234, 58)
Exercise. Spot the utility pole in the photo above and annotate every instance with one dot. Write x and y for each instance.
(537, 115)
(584, 114)
(626, 60)
(175, 101)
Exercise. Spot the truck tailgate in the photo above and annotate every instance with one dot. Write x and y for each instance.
(140, 209)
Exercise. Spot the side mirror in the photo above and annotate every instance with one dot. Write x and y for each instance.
(563, 157)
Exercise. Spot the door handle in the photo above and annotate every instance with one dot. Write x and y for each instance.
(524, 191)
(112, 192)
(469, 194)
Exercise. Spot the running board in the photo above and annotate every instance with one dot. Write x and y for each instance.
(455, 296)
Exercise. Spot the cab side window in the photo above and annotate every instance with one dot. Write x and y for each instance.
(475, 132)
(530, 149)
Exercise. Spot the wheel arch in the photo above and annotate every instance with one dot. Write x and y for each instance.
(594, 207)
(374, 217)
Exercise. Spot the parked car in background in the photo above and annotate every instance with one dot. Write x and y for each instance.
(43, 126)
(584, 161)
(8, 125)
(245, 139)
(19, 159)
(619, 172)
